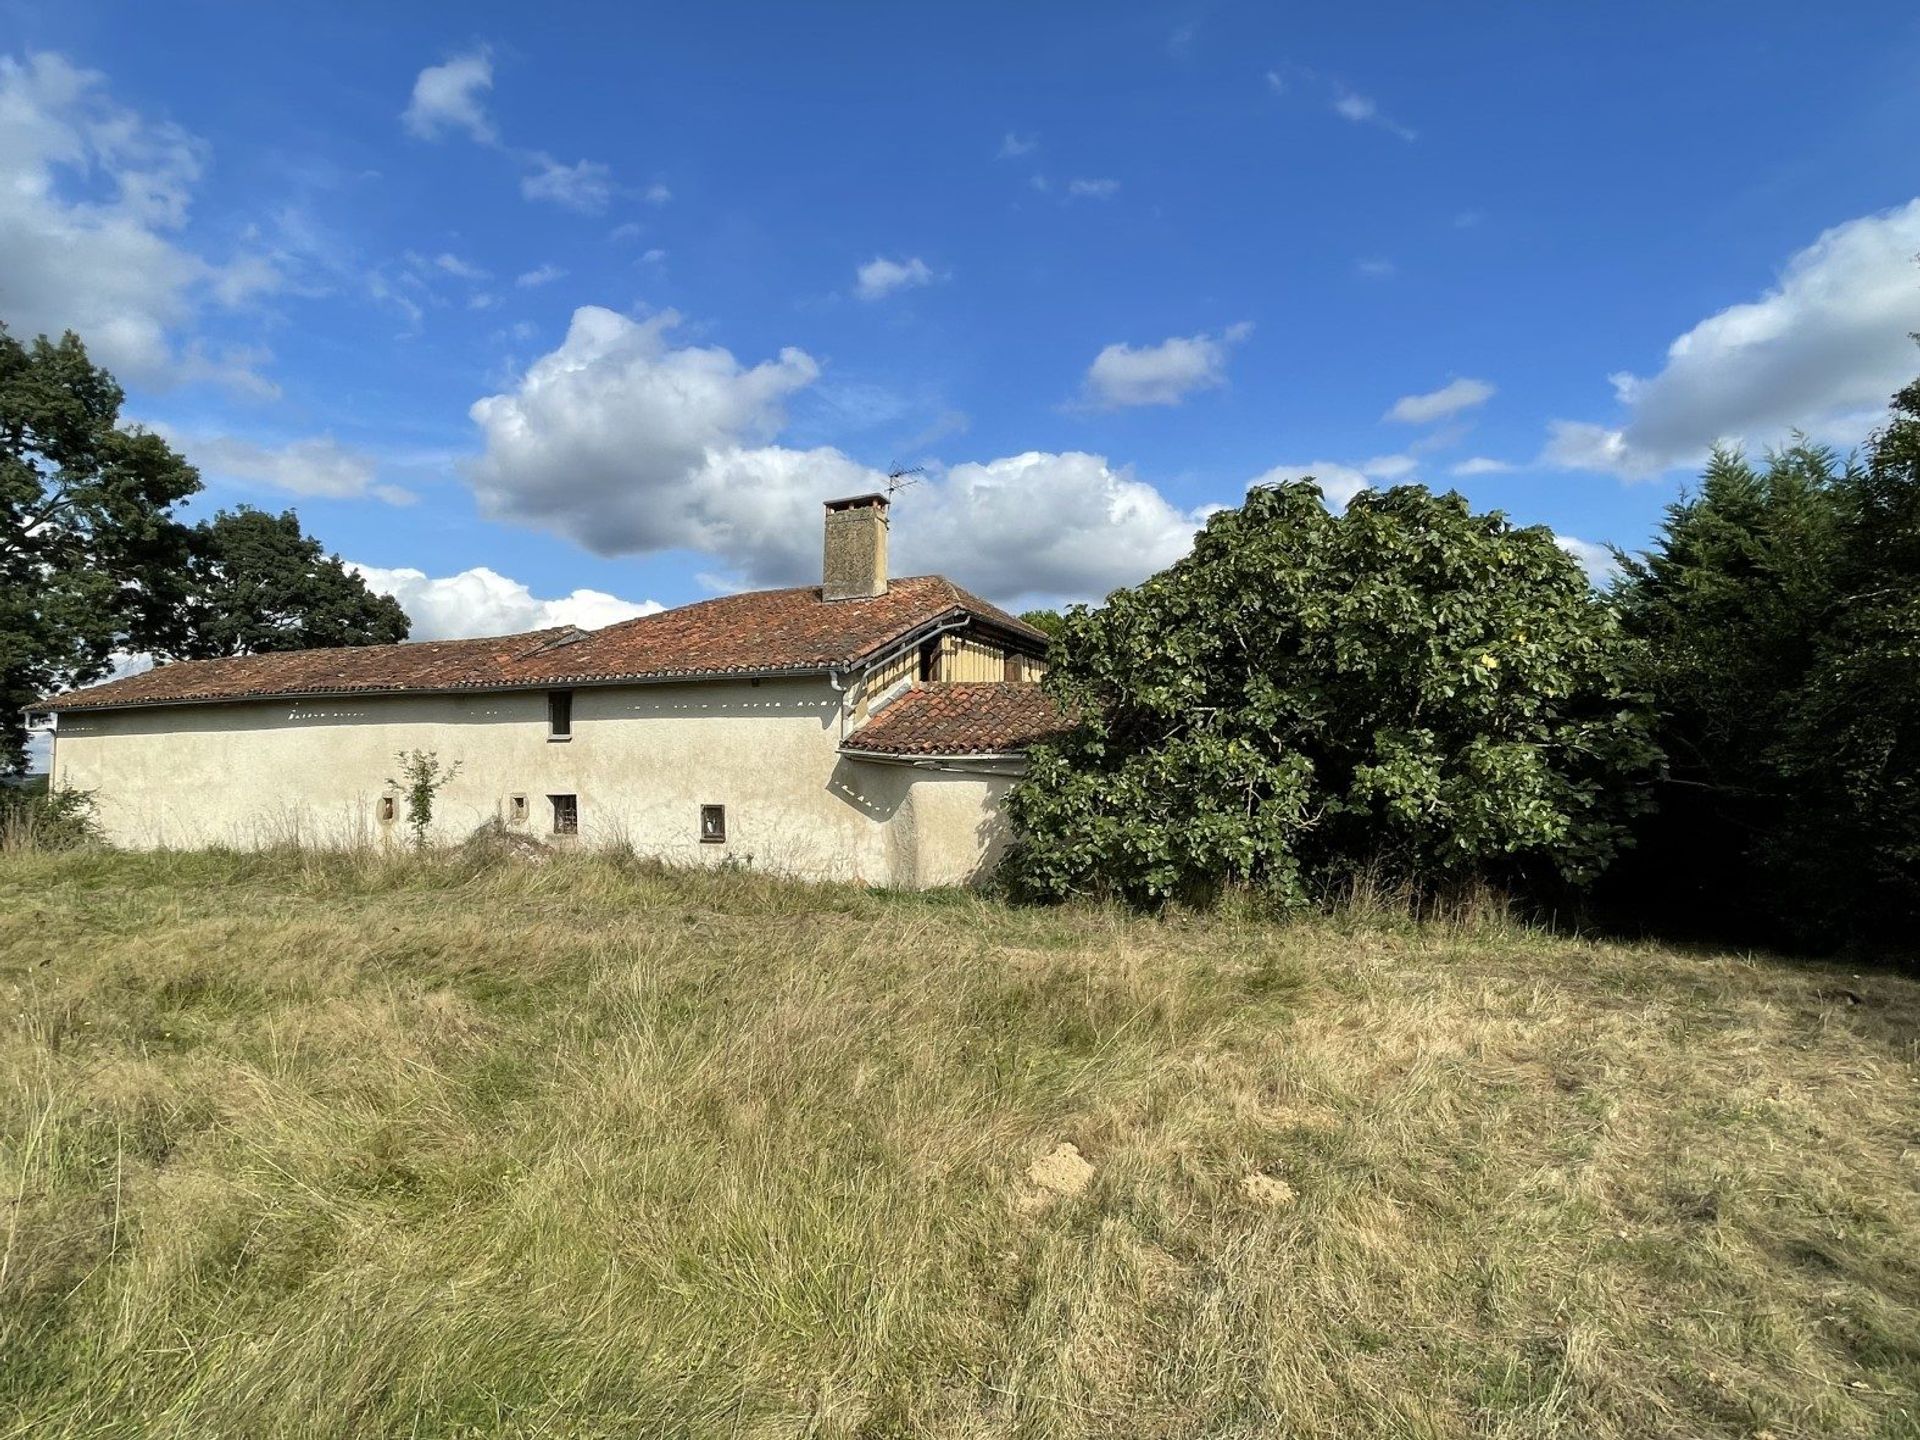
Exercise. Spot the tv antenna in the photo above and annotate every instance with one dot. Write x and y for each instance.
(901, 476)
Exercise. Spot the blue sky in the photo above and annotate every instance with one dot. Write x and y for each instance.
(551, 314)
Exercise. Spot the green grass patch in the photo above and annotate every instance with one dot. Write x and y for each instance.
(314, 1145)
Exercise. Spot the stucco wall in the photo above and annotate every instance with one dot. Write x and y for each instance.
(643, 759)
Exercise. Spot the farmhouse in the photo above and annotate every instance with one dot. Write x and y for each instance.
(865, 729)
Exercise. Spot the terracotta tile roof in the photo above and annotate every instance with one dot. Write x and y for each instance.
(957, 718)
(416, 665)
(760, 632)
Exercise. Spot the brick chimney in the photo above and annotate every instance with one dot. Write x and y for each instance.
(856, 558)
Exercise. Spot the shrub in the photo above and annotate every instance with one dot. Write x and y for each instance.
(34, 817)
(423, 777)
(1407, 690)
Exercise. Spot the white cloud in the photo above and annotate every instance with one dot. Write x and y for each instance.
(1362, 110)
(540, 275)
(1037, 526)
(658, 194)
(319, 466)
(1340, 482)
(654, 256)
(1596, 560)
(627, 442)
(1093, 189)
(448, 97)
(1482, 465)
(92, 197)
(585, 185)
(460, 269)
(1376, 268)
(1822, 351)
(880, 277)
(1389, 467)
(1276, 82)
(484, 602)
(1450, 399)
(1013, 146)
(1163, 374)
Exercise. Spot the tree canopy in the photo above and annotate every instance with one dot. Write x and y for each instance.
(257, 582)
(1407, 688)
(91, 556)
(1779, 618)
(95, 559)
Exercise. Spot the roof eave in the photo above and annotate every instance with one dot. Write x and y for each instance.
(553, 682)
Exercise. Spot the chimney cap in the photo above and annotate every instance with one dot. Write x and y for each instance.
(855, 502)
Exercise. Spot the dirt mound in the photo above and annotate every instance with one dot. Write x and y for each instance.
(1061, 1173)
(1267, 1190)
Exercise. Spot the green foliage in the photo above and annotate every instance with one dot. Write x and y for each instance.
(1047, 622)
(35, 817)
(1407, 689)
(94, 560)
(258, 583)
(423, 779)
(90, 554)
(1779, 612)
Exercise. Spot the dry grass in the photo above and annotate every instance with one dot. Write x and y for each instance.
(309, 1146)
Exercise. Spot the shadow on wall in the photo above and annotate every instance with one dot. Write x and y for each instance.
(455, 708)
(876, 791)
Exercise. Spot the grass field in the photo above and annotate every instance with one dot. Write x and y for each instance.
(297, 1146)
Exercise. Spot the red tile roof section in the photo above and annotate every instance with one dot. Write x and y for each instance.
(957, 718)
(761, 632)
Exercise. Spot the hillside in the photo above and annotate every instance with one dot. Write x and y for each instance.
(305, 1146)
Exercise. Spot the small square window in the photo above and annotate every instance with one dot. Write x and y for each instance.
(517, 809)
(566, 814)
(713, 824)
(389, 807)
(560, 714)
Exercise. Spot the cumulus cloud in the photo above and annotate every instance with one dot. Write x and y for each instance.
(1013, 146)
(1163, 374)
(1821, 352)
(1042, 526)
(484, 602)
(1596, 560)
(1093, 189)
(1340, 482)
(1447, 401)
(539, 275)
(320, 467)
(92, 199)
(450, 97)
(880, 277)
(628, 442)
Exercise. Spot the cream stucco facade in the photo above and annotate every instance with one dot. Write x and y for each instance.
(641, 761)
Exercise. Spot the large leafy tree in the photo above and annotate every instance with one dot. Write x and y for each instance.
(94, 558)
(1779, 611)
(257, 583)
(1407, 688)
(91, 556)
